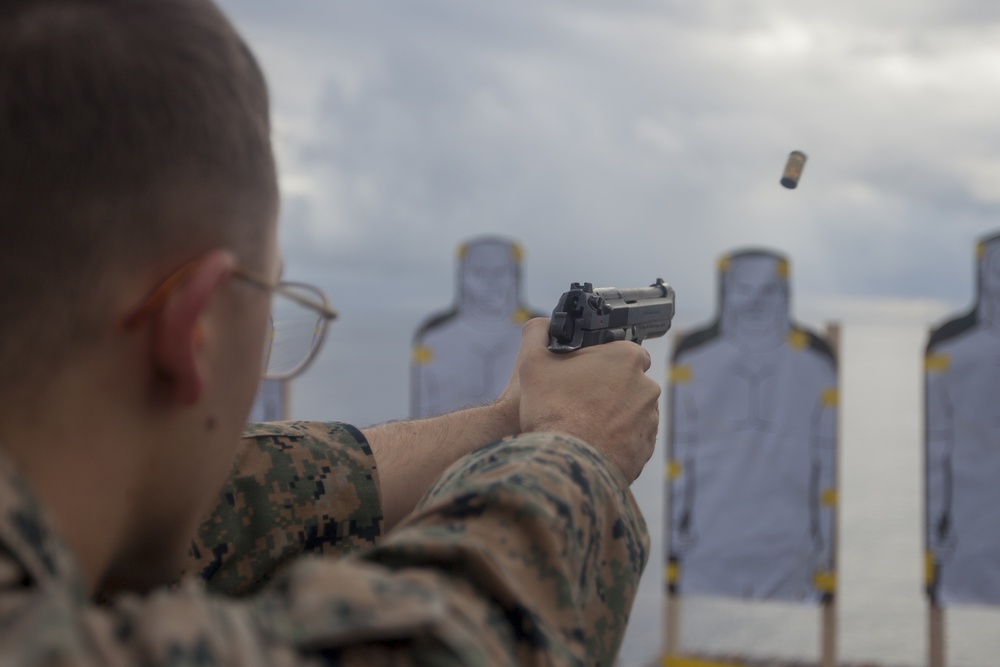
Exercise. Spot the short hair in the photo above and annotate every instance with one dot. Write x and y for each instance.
(130, 131)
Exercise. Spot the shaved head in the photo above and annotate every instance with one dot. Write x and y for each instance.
(133, 133)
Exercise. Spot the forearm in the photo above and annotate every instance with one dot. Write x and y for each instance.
(599, 394)
(544, 528)
(410, 455)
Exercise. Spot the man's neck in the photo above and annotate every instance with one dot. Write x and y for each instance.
(66, 449)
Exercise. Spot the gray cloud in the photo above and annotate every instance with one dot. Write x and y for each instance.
(623, 143)
(667, 125)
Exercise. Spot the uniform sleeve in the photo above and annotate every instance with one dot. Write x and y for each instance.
(527, 552)
(296, 487)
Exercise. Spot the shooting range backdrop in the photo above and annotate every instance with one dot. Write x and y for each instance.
(962, 398)
(752, 446)
(464, 355)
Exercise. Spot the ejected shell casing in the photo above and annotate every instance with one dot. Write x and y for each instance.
(793, 169)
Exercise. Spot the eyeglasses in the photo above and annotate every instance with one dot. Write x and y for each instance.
(300, 314)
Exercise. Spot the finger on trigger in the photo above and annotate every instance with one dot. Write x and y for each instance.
(647, 360)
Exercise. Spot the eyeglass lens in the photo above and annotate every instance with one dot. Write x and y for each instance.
(296, 332)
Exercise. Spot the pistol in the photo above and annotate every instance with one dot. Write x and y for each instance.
(586, 316)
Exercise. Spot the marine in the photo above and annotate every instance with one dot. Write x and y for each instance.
(142, 521)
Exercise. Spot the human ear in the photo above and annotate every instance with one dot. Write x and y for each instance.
(178, 328)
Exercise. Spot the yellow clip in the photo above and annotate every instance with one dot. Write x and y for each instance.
(782, 268)
(798, 340)
(725, 263)
(830, 397)
(929, 568)
(422, 355)
(671, 573)
(828, 498)
(825, 582)
(937, 362)
(680, 374)
(521, 315)
(674, 469)
(686, 661)
(516, 252)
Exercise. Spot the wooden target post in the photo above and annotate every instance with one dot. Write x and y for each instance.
(935, 636)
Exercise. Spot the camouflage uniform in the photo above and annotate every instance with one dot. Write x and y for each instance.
(528, 551)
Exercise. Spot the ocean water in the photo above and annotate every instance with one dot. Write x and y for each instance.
(882, 611)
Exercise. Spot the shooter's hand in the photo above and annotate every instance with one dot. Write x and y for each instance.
(600, 394)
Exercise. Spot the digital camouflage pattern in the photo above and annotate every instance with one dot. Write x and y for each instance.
(527, 552)
(296, 487)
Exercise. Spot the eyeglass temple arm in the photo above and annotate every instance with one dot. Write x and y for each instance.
(320, 307)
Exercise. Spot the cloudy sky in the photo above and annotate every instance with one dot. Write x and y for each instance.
(620, 142)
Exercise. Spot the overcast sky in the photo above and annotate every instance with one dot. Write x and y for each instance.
(620, 142)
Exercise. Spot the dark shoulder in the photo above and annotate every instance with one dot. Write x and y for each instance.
(434, 321)
(817, 344)
(696, 339)
(952, 329)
